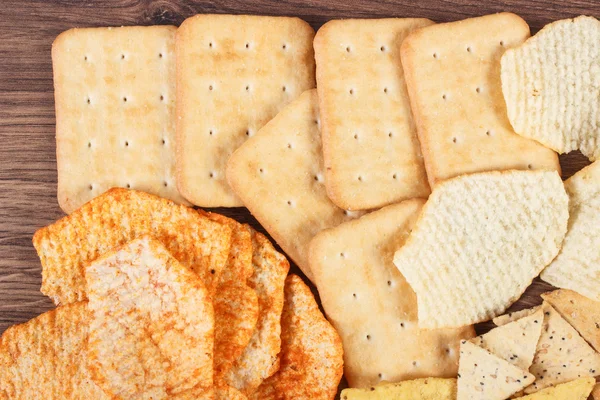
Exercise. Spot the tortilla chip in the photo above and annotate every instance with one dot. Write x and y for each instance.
(482, 375)
(514, 342)
(311, 351)
(115, 218)
(579, 389)
(581, 312)
(152, 326)
(417, 389)
(48, 355)
(514, 316)
(259, 359)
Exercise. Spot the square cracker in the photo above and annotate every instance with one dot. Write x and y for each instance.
(373, 307)
(279, 176)
(372, 154)
(114, 91)
(234, 73)
(453, 77)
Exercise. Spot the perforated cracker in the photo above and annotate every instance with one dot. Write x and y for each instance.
(260, 358)
(47, 357)
(453, 77)
(577, 266)
(234, 73)
(311, 350)
(550, 84)
(371, 151)
(119, 215)
(152, 324)
(279, 176)
(479, 242)
(372, 306)
(114, 91)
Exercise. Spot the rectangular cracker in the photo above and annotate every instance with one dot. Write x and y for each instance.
(234, 73)
(453, 77)
(114, 91)
(372, 306)
(278, 174)
(370, 146)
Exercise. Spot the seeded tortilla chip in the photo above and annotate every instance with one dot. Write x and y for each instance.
(118, 216)
(152, 326)
(259, 359)
(417, 389)
(562, 355)
(482, 375)
(579, 389)
(514, 316)
(48, 356)
(311, 350)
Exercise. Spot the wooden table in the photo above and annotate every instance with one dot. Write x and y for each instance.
(27, 147)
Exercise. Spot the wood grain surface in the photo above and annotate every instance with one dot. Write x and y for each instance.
(27, 147)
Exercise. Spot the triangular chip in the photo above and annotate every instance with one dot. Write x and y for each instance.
(48, 357)
(515, 315)
(561, 355)
(259, 359)
(116, 217)
(483, 376)
(311, 351)
(579, 389)
(514, 342)
(582, 313)
(417, 389)
(151, 330)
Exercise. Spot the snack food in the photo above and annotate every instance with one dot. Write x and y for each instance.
(311, 358)
(479, 242)
(234, 73)
(577, 266)
(596, 392)
(279, 176)
(151, 325)
(114, 91)
(371, 152)
(418, 389)
(49, 355)
(550, 86)
(116, 217)
(578, 389)
(260, 358)
(453, 77)
(372, 306)
(516, 315)
(482, 375)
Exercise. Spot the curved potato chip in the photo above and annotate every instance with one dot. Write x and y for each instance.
(259, 359)
(151, 332)
(228, 393)
(311, 351)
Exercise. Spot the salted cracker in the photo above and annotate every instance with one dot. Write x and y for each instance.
(515, 315)
(279, 176)
(577, 266)
(578, 389)
(311, 358)
(48, 356)
(116, 217)
(372, 306)
(371, 152)
(421, 389)
(114, 92)
(260, 357)
(479, 242)
(550, 84)
(452, 73)
(234, 73)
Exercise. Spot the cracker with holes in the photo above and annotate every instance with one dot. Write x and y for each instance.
(373, 307)
(479, 242)
(370, 147)
(116, 217)
(311, 358)
(578, 389)
(453, 77)
(417, 389)
(550, 84)
(114, 91)
(259, 359)
(577, 266)
(49, 355)
(279, 176)
(234, 73)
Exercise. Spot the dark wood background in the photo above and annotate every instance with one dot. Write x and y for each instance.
(27, 147)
